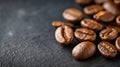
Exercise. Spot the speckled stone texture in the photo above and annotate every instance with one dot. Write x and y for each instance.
(27, 37)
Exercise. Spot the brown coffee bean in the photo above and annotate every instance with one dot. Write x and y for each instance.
(91, 24)
(84, 34)
(108, 34)
(84, 50)
(57, 23)
(92, 9)
(107, 49)
(64, 35)
(118, 20)
(83, 2)
(72, 15)
(100, 1)
(104, 16)
(115, 27)
(111, 7)
(117, 43)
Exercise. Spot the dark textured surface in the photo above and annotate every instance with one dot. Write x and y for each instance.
(27, 37)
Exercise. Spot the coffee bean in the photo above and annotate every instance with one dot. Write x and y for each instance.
(111, 7)
(83, 2)
(84, 34)
(92, 9)
(84, 50)
(69, 24)
(91, 24)
(118, 20)
(117, 2)
(104, 16)
(108, 34)
(64, 35)
(107, 49)
(100, 1)
(57, 23)
(72, 15)
(117, 43)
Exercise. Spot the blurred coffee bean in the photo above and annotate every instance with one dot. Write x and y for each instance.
(91, 24)
(104, 16)
(84, 34)
(107, 49)
(72, 15)
(117, 43)
(64, 35)
(84, 50)
(92, 9)
(108, 34)
(115, 27)
(118, 20)
(100, 1)
(117, 2)
(57, 23)
(111, 7)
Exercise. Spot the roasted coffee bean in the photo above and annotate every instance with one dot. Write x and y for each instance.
(107, 49)
(84, 34)
(92, 9)
(117, 43)
(72, 15)
(118, 20)
(104, 16)
(115, 27)
(91, 24)
(100, 1)
(83, 2)
(108, 34)
(64, 35)
(57, 23)
(84, 50)
(111, 7)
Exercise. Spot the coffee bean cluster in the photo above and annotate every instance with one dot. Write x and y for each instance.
(101, 31)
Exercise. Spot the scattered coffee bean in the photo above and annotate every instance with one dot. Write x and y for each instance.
(108, 34)
(57, 23)
(111, 7)
(64, 35)
(91, 24)
(107, 49)
(118, 20)
(72, 15)
(84, 34)
(117, 43)
(83, 2)
(92, 9)
(84, 50)
(104, 16)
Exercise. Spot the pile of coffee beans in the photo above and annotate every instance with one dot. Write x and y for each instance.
(101, 31)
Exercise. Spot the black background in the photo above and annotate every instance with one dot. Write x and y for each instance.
(27, 37)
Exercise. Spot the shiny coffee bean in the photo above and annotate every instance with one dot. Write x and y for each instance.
(100, 1)
(84, 34)
(83, 2)
(91, 24)
(115, 27)
(57, 23)
(64, 35)
(117, 43)
(107, 49)
(104, 16)
(111, 7)
(118, 20)
(92, 9)
(108, 34)
(72, 15)
(84, 50)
